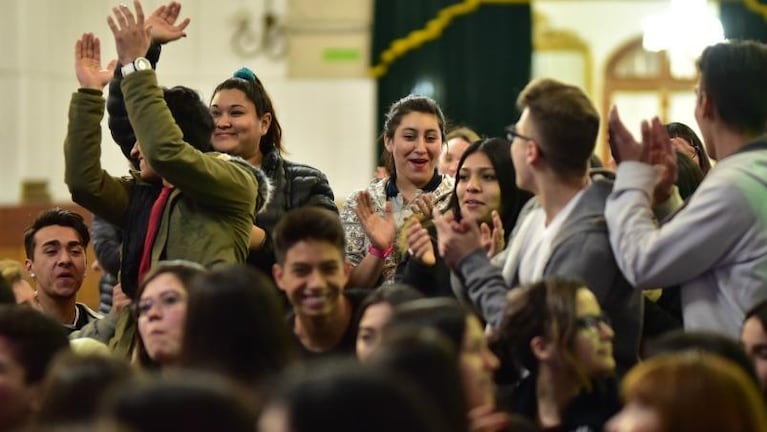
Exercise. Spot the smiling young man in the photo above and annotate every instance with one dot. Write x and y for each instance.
(55, 246)
(311, 270)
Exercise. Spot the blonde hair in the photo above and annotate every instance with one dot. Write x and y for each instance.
(697, 392)
(11, 271)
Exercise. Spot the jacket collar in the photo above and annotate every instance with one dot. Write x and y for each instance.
(392, 190)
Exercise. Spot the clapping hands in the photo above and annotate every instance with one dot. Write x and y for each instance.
(655, 149)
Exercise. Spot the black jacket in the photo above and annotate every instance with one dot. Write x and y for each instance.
(293, 185)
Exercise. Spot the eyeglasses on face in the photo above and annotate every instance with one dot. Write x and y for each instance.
(165, 302)
(512, 134)
(592, 322)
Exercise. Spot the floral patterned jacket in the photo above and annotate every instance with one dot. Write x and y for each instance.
(380, 190)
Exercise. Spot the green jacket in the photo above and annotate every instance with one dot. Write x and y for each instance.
(209, 215)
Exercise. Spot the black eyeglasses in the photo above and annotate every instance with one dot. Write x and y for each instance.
(511, 134)
(592, 322)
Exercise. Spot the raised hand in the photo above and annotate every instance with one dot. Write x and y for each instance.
(419, 243)
(492, 240)
(88, 68)
(132, 37)
(622, 144)
(380, 230)
(162, 23)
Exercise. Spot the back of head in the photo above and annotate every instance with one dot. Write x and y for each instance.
(426, 358)
(393, 294)
(732, 75)
(55, 216)
(681, 341)
(191, 116)
(442, 314)
(76, 385)
(237, 322)
(183, 401)
(697, 392)
(307, 224)
(34, 338)
(547, 309)
(566, 121)
(346, 397)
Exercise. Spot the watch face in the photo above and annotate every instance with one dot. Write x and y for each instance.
(142, 64)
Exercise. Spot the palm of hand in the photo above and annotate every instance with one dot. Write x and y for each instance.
(379, 230)
(90, 70)
(162, 24)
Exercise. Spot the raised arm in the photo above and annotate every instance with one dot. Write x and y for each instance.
(88, 183)
(209, 179)
(163, 29)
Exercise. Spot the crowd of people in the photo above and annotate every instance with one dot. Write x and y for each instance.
(508, 283)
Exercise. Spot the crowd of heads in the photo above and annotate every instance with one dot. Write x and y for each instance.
(215, 348)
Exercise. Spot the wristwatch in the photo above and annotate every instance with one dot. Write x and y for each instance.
(139, 64)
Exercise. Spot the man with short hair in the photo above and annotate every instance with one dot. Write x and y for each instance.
(55, 245)
(311, 270)
(29, 341)
(715, 247)
(561, 232)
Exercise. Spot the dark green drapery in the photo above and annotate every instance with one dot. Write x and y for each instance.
(744, 21)
(474, 69)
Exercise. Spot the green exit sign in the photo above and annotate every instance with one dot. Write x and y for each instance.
(341, 54)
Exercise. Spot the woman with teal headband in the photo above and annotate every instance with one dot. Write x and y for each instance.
(246, 125)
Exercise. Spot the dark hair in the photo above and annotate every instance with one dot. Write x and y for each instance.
(6, 292)
(191, 116)
(733, 76)
(681, 130)
(344, 396)
(55, 216)
(546, 308)
(403, 107)
(760, 312)
(184, 401)
(35, 338)
(236, 320)
(512, 198)
(247, 82)
(424, 357)
(566, 124)
(307, 223)
(76, 385)
(689, 175)
(443, 314)
(185, 271)
(680, 341)
(393, 294)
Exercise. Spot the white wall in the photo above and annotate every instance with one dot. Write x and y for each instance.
(326, 123)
